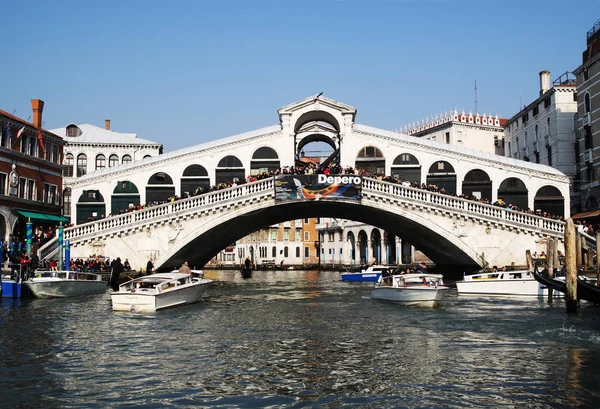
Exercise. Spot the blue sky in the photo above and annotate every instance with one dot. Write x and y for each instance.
(185, 72)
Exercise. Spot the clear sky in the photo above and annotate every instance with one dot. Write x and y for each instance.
(185, 72)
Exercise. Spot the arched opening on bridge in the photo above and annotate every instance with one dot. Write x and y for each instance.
(363, 245)
(228, 169)
(90, 206)
(160, 188)
(513, 191)
(407, 167)
(477, 183)
(376, 246)
(195, 180)
(316, 117)
(125, 195)
(264, 159)
(351, 240)
(442, 174)
(390, 256)
(549, 199)
(371, 159)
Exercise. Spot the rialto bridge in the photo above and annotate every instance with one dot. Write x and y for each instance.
(448, 229)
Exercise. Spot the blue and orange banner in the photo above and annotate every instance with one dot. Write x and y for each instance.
(318, 187)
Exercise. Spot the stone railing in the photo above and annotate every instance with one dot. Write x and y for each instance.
(157, 214)
(462, 207)
(262, 188)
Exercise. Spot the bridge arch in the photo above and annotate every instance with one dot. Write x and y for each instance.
(371, 159)
(443, 175)
(264, 159)
(513, 191)
(549, 199)
(159, 188)
(228, 169)
(194, 178)
(376, 245)
(90, 206)
(351, 244)
(477, 183)
(316, 116)
(124, 196)
(406, 166)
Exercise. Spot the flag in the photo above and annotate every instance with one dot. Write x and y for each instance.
(20, 132)
(40, 138)
(7, 130)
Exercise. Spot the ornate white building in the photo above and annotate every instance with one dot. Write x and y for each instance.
(544, 131)
(89, 148)
(480, 132)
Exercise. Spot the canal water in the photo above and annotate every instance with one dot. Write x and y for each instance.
(294, 339)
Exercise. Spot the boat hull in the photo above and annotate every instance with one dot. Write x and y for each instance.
(141, 301)
(57, 288)
(426, 296)
(363, 277)
(498, 287)
(12, 289)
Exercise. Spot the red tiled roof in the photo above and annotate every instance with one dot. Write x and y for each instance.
(23, 122)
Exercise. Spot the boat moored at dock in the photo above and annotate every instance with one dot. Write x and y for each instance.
(62, 283)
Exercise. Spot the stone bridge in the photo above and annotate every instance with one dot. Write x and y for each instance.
(450, 230)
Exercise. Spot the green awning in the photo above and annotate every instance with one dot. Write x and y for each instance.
(43, 217)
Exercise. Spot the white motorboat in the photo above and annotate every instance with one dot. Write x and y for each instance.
(371, 273)
(51, 284)
(158, 291)
(520, 283)
(422, 289)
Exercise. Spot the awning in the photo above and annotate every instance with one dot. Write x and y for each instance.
(43, 217)
(586, 215)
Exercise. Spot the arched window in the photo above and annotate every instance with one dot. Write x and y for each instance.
(286, 251)
(67, 199)
(113, 160)
(297, 251)
(69, 162)
(588, 103)
(147, 156)
(517, 153)
(81, 164)
(126, 159)
(274, 252)
(100, 161)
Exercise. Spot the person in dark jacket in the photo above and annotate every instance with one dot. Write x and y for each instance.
(149, 267)
(115, 272)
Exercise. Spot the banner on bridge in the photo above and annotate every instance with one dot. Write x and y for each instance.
(318, 187)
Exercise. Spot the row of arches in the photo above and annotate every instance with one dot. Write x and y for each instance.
(101, 162)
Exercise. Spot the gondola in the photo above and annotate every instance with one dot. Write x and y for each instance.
(246, 272)
(585, 290)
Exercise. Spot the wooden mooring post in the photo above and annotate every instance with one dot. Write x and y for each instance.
(571, 265)
(551, 263)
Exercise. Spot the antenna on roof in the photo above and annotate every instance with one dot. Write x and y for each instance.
(28, 118)
(476, 96)
(14, 111)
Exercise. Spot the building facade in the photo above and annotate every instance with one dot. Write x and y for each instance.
(480, 132)
(90, 148)
(587, 147)
(544, 131)
(30, 174)
(292, 243)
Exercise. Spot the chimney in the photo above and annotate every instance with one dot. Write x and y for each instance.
(107, 124)
(544, 82)
(37, 105)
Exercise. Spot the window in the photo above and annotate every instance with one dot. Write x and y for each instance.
(586, 75)
(298, 251)
(587, 103)
(286, 252)
(286, 235)
(274, 252)
(100, 161)
(306, 236)
(447, 137)
(67, 202)
(113, 160)
(537, 134)
(273, 235)
(27, 189)
(3, 179)
(298, 235)
(548, 126)
(50, 193)
(69, 161)
(537, 157)
(588, 137)
(306, 251)
(547, 102)
(549, 155)
(574, 97)
(536, 110)
(525, 118)
(126, 159)
(81, 164)
(305, 221)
